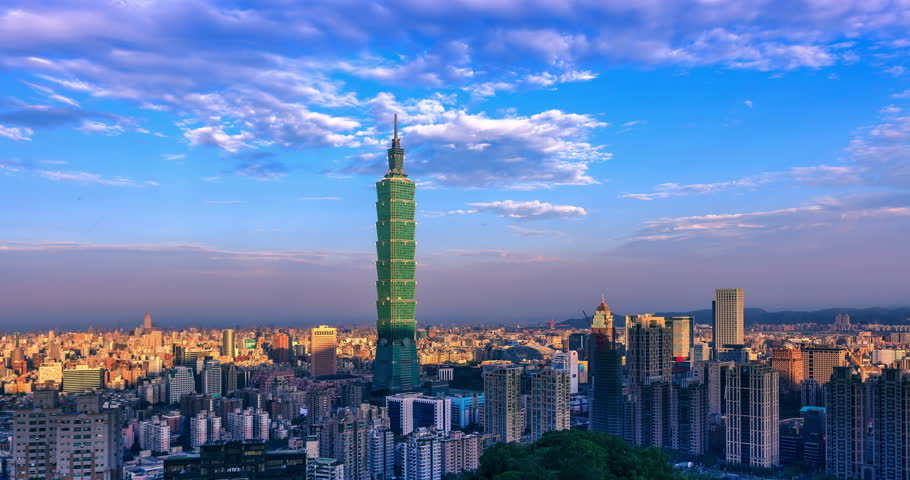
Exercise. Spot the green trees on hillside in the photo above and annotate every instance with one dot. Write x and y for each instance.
(572, 455)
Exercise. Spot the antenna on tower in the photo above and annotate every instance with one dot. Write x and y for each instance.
(396, 126)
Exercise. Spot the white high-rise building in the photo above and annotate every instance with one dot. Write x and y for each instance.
(549, 403)
(568, 361)
(211, 378)
(382, 453)
(180, 382)
(205, 427)
(423, 456)
(155, 435)
(410, 411)
(729, 318)
(248, 424)
(753, 430)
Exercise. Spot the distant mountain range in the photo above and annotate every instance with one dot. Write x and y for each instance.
(884, 316)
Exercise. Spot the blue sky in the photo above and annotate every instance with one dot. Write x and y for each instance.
(213, 162)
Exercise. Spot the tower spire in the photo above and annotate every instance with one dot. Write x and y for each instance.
(395, 142)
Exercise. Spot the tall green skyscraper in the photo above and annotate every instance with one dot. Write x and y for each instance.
(396, 368)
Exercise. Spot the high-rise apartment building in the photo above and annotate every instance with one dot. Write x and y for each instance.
(155, 435)
(729, 318)
(228, 347)
(649, 357)
(605, 355)
(180, 382)
(890, 404)
(752, 416)
(346, 438)
(382, 453)
(549, 402)
(396, 367)
(205, 427)
(422, 458)
(249, 424)
(322, 351)
(846, 424)
(568, 361)
(503, 415)
(689, 416)
(788, 363)
(210, 378)
(47, 444)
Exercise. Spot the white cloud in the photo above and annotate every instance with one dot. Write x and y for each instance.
(528, 232)
(173, 156)
(527, 210)
(86, 177)
(216, 137)
(89, 126)
(748, 103)
(16, 133)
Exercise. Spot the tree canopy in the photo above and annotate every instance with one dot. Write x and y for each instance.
(572, 455)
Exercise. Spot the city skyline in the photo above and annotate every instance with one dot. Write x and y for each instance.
(679, 146)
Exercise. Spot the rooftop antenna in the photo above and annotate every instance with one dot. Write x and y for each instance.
(395, 142)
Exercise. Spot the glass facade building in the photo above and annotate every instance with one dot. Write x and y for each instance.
(396, 368)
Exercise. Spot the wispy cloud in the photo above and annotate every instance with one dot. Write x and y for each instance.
(528, 232)
(16, 134)
(528, 210)
(173, 156)
(86, 177)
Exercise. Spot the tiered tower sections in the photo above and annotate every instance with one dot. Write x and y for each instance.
(396, 367)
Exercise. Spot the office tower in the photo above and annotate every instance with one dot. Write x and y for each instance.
(205, 427)
(47, 444)
(682, 336)
(382, 453)
(228, 379)
(346, 438)
(211, 377)
(155, 435)
(819, 362)
(729, 318)
(788, 363)
(549, 403)
(410, 411)
(228, 349)
(238, 460)
(281, 347)
(568, 361)
(467, 409)
(462, 452)
(605, 361)
(82, 378)
(752, 416)
(503, 416)
(324, 469)
(180, 381)
(396, 368)
(714, 374)
(891, 417)
(322, 348)
(812, 394)
(422, 459)
(147, 323)
(689, 417)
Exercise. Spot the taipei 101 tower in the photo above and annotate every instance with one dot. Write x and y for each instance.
(396, 368)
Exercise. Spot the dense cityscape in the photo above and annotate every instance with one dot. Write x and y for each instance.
(630, 240)
(328, 403)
